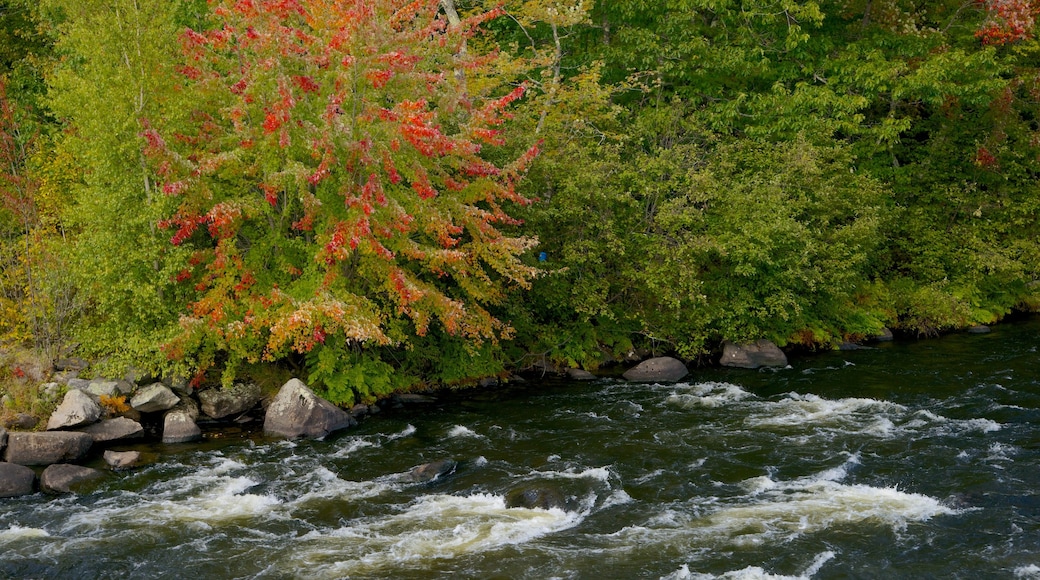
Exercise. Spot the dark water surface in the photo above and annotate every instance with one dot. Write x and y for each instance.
(916, 459)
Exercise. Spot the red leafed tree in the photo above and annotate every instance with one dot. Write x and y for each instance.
(1008, 20)
(335, 183)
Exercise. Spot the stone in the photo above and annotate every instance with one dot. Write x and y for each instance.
(179, 384)
(15, 480)
(50, 391)
(659, 369)
(114, 430)
(846, 346)
(884, 336)
(46, 447)
(428, 472)
(154, 397)
(122, 459)
(580, 375)
(76, 409)
(64, 478)
(109, 388)
(219, 403)
(414, 399)
(70, 364)
(979, 329)
(21, 422)
(77, 383)
(3, 439)
(297, 412)
(179, 427)
(761, 353)
(536, 498)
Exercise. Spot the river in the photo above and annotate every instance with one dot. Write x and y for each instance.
(915, 459)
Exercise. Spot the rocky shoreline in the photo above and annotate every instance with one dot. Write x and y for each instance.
(97, 414)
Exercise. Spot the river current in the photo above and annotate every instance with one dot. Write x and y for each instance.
(915, 459)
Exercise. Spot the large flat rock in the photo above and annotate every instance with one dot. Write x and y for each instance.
(47, 447)
(114, 430)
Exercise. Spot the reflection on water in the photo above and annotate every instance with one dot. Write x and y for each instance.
(915, 459)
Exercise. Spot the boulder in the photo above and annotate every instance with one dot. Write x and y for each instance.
(659, 369)
(761, 353)
(122, 459)
(414, 399)
(154, 397)
(297, 412)
(536, 498)
(114, 429)
(884, 336)
(47, 447)
(979, 329)
(70, 364)
(219, 403)
(63, 478)
(109, 388)
(77, 408)
(580, 375)
(21, 422)
(428, 472)
(15, 480)
(179, 427)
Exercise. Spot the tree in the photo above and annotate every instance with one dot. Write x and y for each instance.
(333, 189)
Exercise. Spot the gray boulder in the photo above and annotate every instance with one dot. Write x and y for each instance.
(154, 397)
(297, 412)
(77, 408)
(219, 403)
(179, 427)
(580, 375)
(47, 447)
(63, 478)
(114, 429)
(15, 480)
(761, 353)
(70, 364)
(428, 472)
(21, 422)
(536, 498)
(109, 388)
(884, 336)
(122, 459)
(659, 369)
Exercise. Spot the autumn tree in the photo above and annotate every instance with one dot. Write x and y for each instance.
(333, 190)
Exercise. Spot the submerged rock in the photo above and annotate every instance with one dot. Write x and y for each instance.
(428, 472)
(761, 353)
(76, 409)
(297, 412)
(114, 429)
(536, 498)
(179, 427)
(979, 329)
(154, 397)
(659, 369)
(47, 447)
(64, 478)
(15, 480)
(580, 375)
(219, 403)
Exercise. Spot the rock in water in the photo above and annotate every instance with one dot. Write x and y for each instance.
(62, 478)
(297, 412)
(154, 397)
(659, 369)
(761, 353)
(122, 459)
(47, 447)
(15, 480)
(77, 408)
(179, 427)
(430, 471)
(536, 498)
(219, 403)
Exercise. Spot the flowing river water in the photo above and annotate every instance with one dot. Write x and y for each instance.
(916, 459)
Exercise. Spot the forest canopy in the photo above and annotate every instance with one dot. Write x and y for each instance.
(382, 194)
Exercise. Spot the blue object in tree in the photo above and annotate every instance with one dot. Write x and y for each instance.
(542, 256)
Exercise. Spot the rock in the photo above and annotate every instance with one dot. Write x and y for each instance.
(219, 403)
(77, 408)
(659, 369)
(536, 498)
(3, 438)
(15, 480)
(21, 422)
(582, 375)
(109, 388)
(884, 336)
(852, 346)
(179, 427)
(189, 406)
(179, 384)
(761, 353)
(296, 411)
(122, 459)
(50, 391)
(114, 429)
(76, 383)
(979, 329)
(70, 364)
(428, 472)
(359, 410)
(47, 447)
(488, 382)
(154, 397)
(414, 399)
(63, 478)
